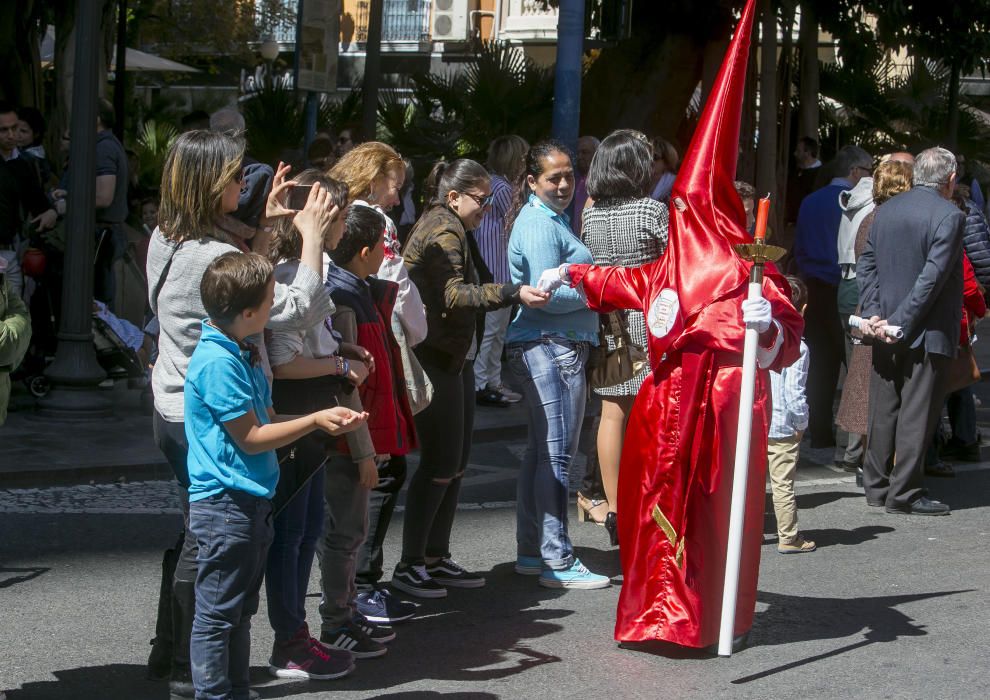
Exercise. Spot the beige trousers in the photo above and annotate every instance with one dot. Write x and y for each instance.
(782, 456)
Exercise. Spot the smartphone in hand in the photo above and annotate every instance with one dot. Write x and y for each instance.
(298, 196)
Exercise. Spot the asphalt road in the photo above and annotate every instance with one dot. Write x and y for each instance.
(889, 607)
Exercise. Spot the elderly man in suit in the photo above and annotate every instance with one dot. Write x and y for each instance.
(910, 275)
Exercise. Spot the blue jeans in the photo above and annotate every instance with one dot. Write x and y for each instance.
(233, 530)
(552, 374)
(290, 559)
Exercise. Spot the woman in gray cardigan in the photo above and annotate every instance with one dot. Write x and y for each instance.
(201, 183)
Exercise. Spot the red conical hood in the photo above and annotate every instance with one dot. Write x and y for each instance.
(700, 253)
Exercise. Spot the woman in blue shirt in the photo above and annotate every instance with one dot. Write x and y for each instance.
(547, 350)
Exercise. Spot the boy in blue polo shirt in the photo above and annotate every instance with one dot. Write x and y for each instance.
(233, 434)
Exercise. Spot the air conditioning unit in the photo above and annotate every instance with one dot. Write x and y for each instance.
(450, 20)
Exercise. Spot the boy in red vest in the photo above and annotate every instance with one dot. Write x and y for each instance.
(363, 309)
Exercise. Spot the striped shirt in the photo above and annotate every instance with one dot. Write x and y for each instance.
(491, 236)
(790, 407)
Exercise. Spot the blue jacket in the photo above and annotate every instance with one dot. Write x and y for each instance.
(976, 242)
(541, 240)
(816, 241)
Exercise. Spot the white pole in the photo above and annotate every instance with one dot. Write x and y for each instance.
(740, 472)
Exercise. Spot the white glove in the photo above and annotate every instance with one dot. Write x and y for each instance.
(757, 314)
(550, 279)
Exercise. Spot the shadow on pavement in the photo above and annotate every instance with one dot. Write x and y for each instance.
(829, 537)
(109, 682)
(790, 619)
(808, 501)
(969, 489)
(28, 573)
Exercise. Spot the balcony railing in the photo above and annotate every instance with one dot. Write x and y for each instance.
(402, 20)
(280, 23)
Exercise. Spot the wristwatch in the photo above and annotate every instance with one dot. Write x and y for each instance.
(562, 273)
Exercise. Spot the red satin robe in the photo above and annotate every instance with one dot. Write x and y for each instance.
(675, 479)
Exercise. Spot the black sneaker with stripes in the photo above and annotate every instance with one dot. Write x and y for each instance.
(352, 638)
(413, 579)
(448, 572)
(379, 633)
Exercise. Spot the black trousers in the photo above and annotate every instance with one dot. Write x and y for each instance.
(826, 350)
(906, 395)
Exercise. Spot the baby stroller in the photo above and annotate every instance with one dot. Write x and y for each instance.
(116, 357)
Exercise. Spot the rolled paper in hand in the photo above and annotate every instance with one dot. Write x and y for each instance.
(894, 332)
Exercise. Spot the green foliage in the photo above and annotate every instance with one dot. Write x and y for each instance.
(273, 117)
(334, 114)
(884, 109)
(153, 142)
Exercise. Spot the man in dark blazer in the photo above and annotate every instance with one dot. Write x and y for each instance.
(910, 275)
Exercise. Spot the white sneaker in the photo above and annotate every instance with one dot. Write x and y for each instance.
(507, 393)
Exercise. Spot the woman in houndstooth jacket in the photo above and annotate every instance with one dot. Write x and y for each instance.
(624, 227)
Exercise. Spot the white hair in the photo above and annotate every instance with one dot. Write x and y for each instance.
(933, 167)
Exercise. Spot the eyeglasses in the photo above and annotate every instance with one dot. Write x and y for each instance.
(481, 201)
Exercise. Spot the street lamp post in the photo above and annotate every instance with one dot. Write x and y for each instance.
(269, 51)
(567, 73)
(75, 373)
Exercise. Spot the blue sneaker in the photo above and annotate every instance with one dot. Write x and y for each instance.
(529, 566)
(380, 606)
(577, 576)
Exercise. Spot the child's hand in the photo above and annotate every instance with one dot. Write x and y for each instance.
(368, 473)
(358, 372)
(315, 218)
(339, 420)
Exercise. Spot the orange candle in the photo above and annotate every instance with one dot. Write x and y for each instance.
(762, 215)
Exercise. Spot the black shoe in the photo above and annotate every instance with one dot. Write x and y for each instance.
(383, 634)
(448, 572)
(874, 504)
(613, 528)
(353, 639)
(180, 685)
(940, 469)
(923, 506)
(859, 476)
(413, 579)
(960, 452)
(381, 606)
(490, 397)
(848, 467)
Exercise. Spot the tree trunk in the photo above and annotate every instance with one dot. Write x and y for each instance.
(20, 79)
(952, 136)
(766, 152)
(645, 87)
(711, 62)
(746, 167)
(372, 70)
(808, 43)
(785, 82)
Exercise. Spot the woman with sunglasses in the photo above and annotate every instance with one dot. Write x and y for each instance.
(443, 263)
(548, 350)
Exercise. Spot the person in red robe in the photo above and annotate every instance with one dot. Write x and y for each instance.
(675, 478)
